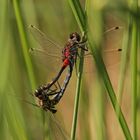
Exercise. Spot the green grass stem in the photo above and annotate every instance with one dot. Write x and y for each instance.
(24, 43)
(77, 96)
(134, 69)
(103, 73)
(101, 67)
(78, 13)
(134, 79)
(80, 18)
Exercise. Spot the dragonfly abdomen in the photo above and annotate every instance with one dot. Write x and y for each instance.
(65, 83)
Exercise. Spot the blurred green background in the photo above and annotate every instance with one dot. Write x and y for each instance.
(20, 74)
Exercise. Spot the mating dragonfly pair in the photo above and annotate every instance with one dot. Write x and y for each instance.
(48, 96)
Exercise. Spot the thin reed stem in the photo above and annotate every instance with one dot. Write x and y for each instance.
(134, 69)
(24, 43)
(80, 17)
(101, 67)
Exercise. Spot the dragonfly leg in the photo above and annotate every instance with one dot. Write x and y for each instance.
(53, 92)
(82, 45)
(59, 85)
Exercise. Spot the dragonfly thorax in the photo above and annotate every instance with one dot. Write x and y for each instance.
(69, 53)
(71, 48)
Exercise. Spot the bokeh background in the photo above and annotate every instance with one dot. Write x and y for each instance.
(21, 73)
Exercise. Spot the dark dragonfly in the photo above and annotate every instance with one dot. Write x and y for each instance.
(49, 97)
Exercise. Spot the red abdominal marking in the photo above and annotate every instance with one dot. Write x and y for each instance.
(66, 62)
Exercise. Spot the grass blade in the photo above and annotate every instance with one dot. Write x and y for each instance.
(24, 43)
(101, 68)
(78, 13)
(80, 17)
(76, 104)
(134, 68)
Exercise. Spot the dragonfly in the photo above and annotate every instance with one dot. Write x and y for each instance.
(54, 127)
(47, 95)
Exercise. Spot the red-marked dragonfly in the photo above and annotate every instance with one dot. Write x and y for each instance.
(54, 128)
(47, 95)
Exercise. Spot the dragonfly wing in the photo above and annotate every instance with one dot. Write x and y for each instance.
(89, 64)
(57, 131)
(54, 129)
(111, 51)
(45, 61)
(49, 53)
(47, 44)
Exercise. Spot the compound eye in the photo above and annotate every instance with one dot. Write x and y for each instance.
(71, 36)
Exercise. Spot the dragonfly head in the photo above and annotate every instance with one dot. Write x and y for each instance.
(75, 37)
(39, 93)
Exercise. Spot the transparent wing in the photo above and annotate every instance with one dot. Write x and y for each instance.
(48, 53)
(111, 50)
(111, 60)
(45, 42)
(54, 130)
(57, 131)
